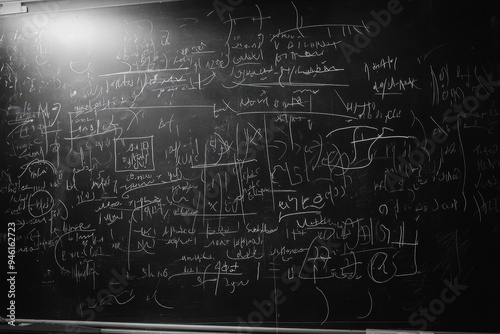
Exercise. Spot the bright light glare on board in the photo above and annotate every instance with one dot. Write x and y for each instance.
(75, 32)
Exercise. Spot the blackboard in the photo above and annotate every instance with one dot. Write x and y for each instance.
(288, 164)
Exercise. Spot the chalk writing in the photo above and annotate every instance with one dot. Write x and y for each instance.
(214, 156)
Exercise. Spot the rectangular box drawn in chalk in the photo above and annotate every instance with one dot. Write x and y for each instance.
(134, 154)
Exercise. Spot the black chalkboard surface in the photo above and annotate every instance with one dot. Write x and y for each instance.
(290, 164)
